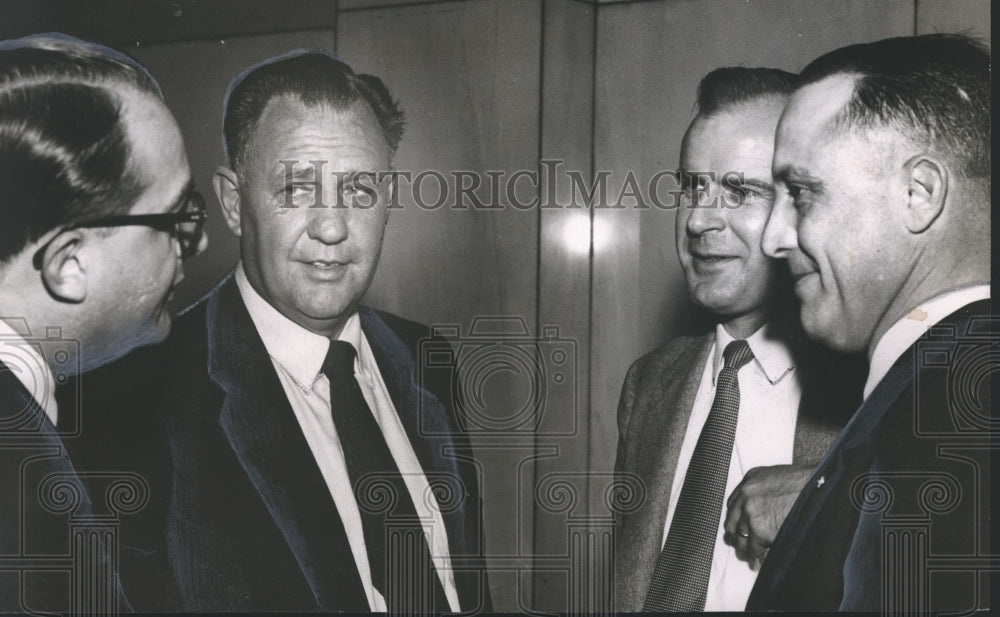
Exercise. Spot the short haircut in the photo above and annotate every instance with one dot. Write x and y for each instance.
(736, 85)
(64, 150)
(314, 76)
(933, 89)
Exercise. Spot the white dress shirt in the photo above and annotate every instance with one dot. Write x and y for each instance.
(26, 362)
(905, 332)
(298, 355)
(765, 435)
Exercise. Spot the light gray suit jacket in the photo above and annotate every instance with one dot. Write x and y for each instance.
(653, 413)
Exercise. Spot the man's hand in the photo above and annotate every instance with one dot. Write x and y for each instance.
(758, 507)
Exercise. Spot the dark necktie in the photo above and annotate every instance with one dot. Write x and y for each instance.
(406, 578)
(680, 580)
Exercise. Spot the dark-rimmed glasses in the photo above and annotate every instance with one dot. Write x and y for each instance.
(187, 225)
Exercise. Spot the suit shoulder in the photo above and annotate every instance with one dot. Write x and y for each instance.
(410, 332)
(668, 354)
(191, 322)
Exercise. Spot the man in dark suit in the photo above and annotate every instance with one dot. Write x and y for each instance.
(882, 162)
(317, 463)
(688, 548)
(97, 213)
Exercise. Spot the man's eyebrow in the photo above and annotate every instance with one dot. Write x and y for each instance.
(302, 174)
(796, 175)
(307, 174)
(757, 184)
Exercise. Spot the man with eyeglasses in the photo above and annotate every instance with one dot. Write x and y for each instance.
(97, 213)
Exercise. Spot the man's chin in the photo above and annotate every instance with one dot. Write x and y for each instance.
(160, 332)
(326, 323)
(718, 299)
(823, 329)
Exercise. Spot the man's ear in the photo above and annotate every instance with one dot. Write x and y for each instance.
(227, 189)
(927, 189)
(391, 192)
(64, 272)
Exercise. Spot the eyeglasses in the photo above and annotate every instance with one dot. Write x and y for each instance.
(187, 225)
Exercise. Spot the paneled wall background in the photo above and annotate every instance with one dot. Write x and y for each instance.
(500, 85)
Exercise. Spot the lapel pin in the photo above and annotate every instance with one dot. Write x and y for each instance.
(821, 481)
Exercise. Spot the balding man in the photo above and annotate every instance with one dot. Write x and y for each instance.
(97, 213)
(882, 164)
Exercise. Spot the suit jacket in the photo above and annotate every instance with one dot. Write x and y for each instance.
(40, 492)
(656, 402)
(242, 520)
(906, 483)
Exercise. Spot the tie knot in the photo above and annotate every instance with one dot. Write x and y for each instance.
(736, 355)
(339, 361)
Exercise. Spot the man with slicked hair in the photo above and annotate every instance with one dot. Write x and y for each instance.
(722, 428)
(317, 464)
(882, 163)
(97, 213)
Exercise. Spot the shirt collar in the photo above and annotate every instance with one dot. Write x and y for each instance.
(770, 350)
(26, 363)
(905, 332)
(300, 351)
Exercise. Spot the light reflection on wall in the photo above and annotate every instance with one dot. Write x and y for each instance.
(576, 234)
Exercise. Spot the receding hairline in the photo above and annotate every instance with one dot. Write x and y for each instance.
(839, 125)
(359, 106)
(139, 108)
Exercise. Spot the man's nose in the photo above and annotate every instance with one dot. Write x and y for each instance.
(706, 210)
(329, 225)
(780, 236)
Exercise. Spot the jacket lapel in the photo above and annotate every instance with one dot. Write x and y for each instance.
(425, 420)
(813, 437)
(825, 482)
(830, 394)
(264, 434)
(659, 423)
(423, 416)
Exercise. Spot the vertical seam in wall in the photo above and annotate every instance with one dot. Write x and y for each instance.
(538, 269)
(916, 17)
(590, 260)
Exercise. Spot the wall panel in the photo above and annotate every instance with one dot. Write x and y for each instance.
(966, 16)
(564, 277)
(471, 97)
(129, 23)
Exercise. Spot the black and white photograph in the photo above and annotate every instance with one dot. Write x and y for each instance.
(496, 306)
